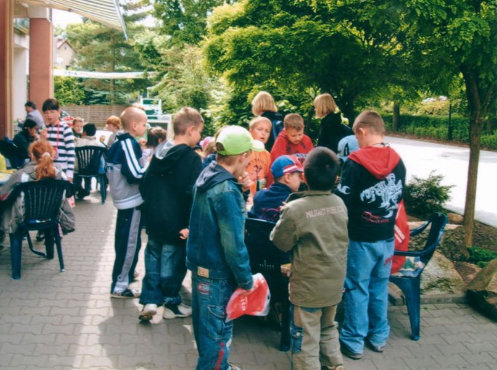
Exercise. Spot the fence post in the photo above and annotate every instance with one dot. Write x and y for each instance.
(449, 126)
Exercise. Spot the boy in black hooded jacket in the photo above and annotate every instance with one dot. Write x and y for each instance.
(167, 190)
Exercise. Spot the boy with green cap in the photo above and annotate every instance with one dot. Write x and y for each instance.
(216, 253)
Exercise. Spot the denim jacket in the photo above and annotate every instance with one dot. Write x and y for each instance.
(215, 247)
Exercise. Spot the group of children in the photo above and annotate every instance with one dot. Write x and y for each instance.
(340, 242)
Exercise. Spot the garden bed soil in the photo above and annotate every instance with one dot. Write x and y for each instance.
(484, 236)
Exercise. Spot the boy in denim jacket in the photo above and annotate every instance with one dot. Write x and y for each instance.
(313, 228)
(216, 253)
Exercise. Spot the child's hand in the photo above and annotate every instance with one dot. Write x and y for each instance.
(245, 181)
(183, 233)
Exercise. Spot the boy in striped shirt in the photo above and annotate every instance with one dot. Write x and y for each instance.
(60, 136)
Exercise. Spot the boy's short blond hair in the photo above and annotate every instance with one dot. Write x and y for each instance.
(114, 121)
(370, 120)
(78, 119)
(258, 120)
(130, 115)
(184, 118)
(263, 102)
(324, 104)
(294, 120)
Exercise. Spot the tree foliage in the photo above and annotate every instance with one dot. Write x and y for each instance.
(103, 49)
(302, 48)
(184, 21)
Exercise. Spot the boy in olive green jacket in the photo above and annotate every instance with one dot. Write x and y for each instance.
(313, 226)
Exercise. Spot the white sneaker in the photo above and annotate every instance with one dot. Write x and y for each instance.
(149, 310)
(172, 311)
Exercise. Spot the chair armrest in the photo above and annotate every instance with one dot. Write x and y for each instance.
(414, 253)
(419, 229)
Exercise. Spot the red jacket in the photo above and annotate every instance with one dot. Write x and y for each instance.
(282, 146)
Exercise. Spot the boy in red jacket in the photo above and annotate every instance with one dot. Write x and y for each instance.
(292, 139)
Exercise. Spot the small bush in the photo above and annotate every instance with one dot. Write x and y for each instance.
(426, 196)
(480, 256)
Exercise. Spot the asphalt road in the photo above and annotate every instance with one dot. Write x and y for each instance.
(421, 157)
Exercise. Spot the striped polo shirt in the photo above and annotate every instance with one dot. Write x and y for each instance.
(61, 137)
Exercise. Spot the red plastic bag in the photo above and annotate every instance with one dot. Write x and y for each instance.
(401, 235)
(256, 303)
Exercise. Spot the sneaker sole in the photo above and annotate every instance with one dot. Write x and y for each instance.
(146, 316)
(123, 296)
(167, 317)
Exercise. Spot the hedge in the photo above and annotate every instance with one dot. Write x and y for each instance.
(432, 127)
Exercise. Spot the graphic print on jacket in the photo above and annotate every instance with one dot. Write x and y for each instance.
(389, 191)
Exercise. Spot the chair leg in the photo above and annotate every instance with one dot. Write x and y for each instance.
(16, 254)
(412, 292)
(49, 243)
(103, 189)
(285, 326)
(58, 243)
(31, 247)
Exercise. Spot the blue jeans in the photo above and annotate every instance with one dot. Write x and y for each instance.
(366, 294)
(165, 269)
(212, 333)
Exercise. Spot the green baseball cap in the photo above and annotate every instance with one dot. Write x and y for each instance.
(237, 140)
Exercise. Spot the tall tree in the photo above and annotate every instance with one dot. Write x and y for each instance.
(103, 49)
(297, 46)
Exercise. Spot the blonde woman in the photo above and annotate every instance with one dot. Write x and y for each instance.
(332, 130)
(263, 105)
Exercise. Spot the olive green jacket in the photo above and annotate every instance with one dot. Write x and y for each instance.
(313, 226)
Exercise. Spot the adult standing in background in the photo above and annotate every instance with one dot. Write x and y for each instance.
(332, 130)
(60, 136)
(24, 138)
(34, 114)
(263, 105)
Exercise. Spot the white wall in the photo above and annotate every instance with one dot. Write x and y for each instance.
(20, 77)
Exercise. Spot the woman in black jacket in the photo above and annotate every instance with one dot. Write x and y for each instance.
(263, 105)
(332, 130)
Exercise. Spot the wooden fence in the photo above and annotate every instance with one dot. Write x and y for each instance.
(96, 114)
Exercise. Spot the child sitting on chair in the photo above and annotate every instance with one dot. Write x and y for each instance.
(287, 173)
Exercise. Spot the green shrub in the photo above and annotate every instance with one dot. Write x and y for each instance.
(426, 196)
(480, 256)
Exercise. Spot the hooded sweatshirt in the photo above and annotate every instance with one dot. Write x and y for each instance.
(167, 190)
(283, 146)
(372, 185)
(216, 247)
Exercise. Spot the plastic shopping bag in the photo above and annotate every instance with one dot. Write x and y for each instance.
(256, 303)
(401, 234)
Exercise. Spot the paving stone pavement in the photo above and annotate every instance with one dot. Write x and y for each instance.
(54, 320)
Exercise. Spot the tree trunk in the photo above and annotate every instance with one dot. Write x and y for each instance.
(396, 116)
(476, 127)
(474, 157)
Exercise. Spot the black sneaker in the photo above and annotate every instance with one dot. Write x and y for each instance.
(172, 311)
(128, 293)
(349, 353)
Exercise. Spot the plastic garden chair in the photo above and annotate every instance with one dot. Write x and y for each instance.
(42, 202)
(266, 258)
(90, 164)
(410, 281)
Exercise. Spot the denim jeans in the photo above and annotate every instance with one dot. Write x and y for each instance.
(366, 294)
(165, 269)
(212, 333)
